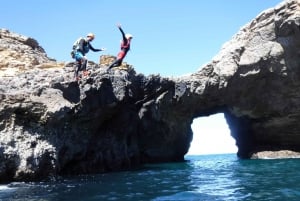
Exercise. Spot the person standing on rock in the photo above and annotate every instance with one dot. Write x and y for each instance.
(81, 48)
(125, 47)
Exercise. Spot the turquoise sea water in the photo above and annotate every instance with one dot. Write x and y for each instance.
(208, 177)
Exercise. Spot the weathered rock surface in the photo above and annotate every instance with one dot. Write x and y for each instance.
(52, 125)
(19, 53)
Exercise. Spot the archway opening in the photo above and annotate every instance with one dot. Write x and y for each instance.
(211, 135)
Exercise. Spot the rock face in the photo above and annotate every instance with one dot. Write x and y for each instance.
(51, 125)
(19, 53)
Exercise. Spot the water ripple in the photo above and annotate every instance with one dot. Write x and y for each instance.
(213, 177)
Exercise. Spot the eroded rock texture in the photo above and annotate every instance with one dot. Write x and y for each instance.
(52, 125)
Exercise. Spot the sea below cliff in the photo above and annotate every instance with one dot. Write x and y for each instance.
(204, 177)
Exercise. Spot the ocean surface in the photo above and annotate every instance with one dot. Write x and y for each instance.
(204, 177)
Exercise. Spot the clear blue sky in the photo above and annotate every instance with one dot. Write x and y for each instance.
(171, 38)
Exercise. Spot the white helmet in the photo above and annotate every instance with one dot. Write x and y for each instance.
(91, 35)
(128, 36)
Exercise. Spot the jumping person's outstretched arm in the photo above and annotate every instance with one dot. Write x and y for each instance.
(123, 34)
(94, 49)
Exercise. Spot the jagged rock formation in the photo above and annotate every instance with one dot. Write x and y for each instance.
(19, 53)
(52, 125)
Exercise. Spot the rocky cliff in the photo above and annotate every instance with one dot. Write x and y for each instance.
(51, 125)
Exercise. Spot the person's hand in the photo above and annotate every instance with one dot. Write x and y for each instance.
(119, 25)
(103, 49)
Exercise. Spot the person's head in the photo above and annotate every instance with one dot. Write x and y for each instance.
(128, 36)
(90, 36)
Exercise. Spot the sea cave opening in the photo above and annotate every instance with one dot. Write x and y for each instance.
(211, 135)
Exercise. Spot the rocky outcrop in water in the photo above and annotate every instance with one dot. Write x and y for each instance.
(51, 125)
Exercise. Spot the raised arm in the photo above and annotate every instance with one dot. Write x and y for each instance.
(123, 34)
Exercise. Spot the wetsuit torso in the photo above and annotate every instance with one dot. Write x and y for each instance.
(84, 47)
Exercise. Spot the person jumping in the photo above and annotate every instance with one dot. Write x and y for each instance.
(125, 47)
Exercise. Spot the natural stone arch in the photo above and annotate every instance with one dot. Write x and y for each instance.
(254, 81)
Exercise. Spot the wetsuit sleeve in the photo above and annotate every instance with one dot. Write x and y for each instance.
(94, 49)
(80, 45)
(123, 35)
